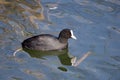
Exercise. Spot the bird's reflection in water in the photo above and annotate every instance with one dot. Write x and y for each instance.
(63, 56)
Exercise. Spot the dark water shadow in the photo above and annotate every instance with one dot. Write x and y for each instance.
(63, 56)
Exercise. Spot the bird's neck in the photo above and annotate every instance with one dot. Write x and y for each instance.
(63, 40)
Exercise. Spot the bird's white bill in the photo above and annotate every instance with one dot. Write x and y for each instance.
(72, 35)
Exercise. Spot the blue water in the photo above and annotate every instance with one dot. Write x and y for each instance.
(96, 24)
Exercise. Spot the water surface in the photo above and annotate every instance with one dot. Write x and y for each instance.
(96, 24)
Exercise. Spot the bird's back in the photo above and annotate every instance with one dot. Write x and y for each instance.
(43, 42)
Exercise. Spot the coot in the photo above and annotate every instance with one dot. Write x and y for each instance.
(46, 42)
